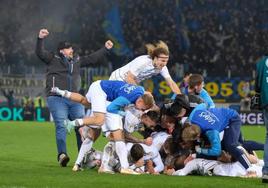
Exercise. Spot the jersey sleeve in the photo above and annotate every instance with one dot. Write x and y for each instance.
(215, 142)
(117, 105)
(188, 168)
(158, 163)
(206, 97)
(165, 73)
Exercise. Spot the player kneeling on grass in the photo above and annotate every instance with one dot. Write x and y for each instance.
(91, 159)
(119, 93)
(132, 120)
(142, 159)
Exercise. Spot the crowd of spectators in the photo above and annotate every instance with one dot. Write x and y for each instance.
(215, 36)
(211, 35)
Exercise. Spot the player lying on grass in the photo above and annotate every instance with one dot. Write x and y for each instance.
(188, 164)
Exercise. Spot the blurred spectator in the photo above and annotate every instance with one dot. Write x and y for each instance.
(245, 103)
(246, 89)
(39, 101)
(216, 36)
(28, 108)
(185, 81)
(10, 97)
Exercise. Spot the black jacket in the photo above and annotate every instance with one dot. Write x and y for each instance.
(66, 73)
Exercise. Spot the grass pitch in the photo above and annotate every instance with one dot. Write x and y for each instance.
(28, 160)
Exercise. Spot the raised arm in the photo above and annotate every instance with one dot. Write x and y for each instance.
(40, 51)
(97, 58)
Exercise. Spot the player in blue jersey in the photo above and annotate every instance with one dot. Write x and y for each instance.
(117, 94)
(211, 122)
(196, 87)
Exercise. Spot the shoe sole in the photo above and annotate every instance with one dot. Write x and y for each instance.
(101, 171)
(131, 173)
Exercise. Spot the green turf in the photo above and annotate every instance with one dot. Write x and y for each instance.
(28, 159)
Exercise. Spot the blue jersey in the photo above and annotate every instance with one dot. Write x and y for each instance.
(115, 89)
(120, 94)
(212, 118)
(205, 96)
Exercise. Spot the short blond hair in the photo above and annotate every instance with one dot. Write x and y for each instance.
(148, 99)
(154, 50)
(190, 133)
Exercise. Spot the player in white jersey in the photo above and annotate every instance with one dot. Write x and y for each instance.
(132, 121)
(190, 164)
(159, 139)
(146, 66)
(120, 94)
(150, 153)
(213, 167)
(138, 155)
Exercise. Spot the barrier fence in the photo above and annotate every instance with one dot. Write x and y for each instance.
(42, 114)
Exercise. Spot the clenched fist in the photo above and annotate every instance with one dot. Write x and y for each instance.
(43, 33)
(109, 44)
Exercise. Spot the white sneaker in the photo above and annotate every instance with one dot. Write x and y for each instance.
(105, 170)
(77, 168)
(69, 125)
(128, 171)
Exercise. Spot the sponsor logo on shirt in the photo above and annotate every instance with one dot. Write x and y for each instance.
(209, 117)
(128, 88)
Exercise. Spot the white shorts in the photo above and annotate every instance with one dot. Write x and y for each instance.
(112, 122)
(97, 97)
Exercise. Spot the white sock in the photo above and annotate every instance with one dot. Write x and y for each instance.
(107, 154)
(121, 151)
(67, 94)
(85, 147)
(79, 122)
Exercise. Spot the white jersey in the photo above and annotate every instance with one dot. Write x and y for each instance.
(141, 67)
(235, 169)
(151, 153)
(212, 167)
(201, 166)
(159, 139)
(132, 119)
